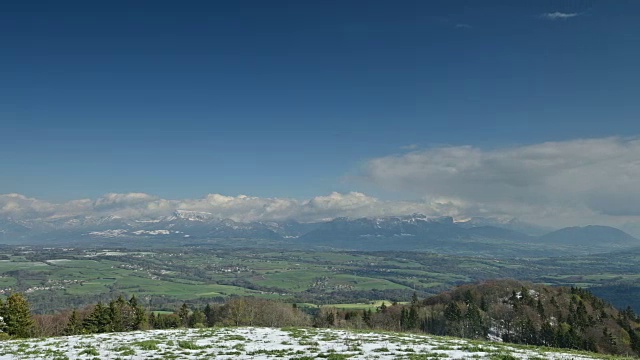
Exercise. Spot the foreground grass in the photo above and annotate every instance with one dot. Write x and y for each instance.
(270, 343)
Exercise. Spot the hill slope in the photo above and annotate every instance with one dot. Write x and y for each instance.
(534, 314)
(590, 236)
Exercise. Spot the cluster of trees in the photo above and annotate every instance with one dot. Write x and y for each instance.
(536, 315)
(117, 316)
(241, 311)
(509, 311)
(128, 315)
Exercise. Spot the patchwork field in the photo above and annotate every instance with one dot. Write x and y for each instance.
(268, 343)
(56, 278)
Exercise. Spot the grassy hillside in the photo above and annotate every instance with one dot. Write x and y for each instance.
(271, 343)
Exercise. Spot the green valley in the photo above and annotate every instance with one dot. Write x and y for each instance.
(57, 278)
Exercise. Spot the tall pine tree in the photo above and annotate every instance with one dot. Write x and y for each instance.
(74, 325)
(17, 316)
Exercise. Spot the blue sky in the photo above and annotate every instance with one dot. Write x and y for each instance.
(295, 98)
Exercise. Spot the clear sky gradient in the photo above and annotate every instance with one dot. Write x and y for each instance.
(291, 98)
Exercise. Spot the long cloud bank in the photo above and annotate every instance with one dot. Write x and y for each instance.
(562, 183)
(239, 208)
(596, 180)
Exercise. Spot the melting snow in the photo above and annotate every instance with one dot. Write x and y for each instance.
(263, 343)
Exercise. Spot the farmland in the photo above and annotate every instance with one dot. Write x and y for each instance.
(56, 278)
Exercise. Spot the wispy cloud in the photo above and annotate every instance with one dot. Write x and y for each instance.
(558, 15)
(463, 26)
(409, 147)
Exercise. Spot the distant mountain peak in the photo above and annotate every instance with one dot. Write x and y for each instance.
(590, 235)
(194, 215)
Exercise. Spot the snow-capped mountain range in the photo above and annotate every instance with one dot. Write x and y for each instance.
(181, 223)
(411, 232)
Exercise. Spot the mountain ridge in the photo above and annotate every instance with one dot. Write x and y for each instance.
(482, 237)
(575, 235)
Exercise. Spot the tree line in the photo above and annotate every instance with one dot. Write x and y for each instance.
(121, 314)
(503, 310)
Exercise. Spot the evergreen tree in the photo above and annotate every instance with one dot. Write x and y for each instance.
(99, 320)
(547, 335)
(117, 314)
(452, 312)
(527, 333)
(483, 304)
(581, 317)
(197, 319)
(382, 308)
(540, 308)
(152, 320)
(183, 314)
(3, 309)
(16, 316)
(468, 297)
(3, 326)
(209, 313)
(366, 317)
(413, 319)
(404, 318)
(414, 299)
(634, 339)
(125, 316)
(475, 325)
(166, 321)
(525, 297)
(74, 325)
(139, 314)
(330, 318)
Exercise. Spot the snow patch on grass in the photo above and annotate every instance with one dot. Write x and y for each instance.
(269, 343)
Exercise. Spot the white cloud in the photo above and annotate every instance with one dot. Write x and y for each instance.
(558, 15)
(589, 178)
(239, 208)
(20, 205)
(123, 200)
(554, 183)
